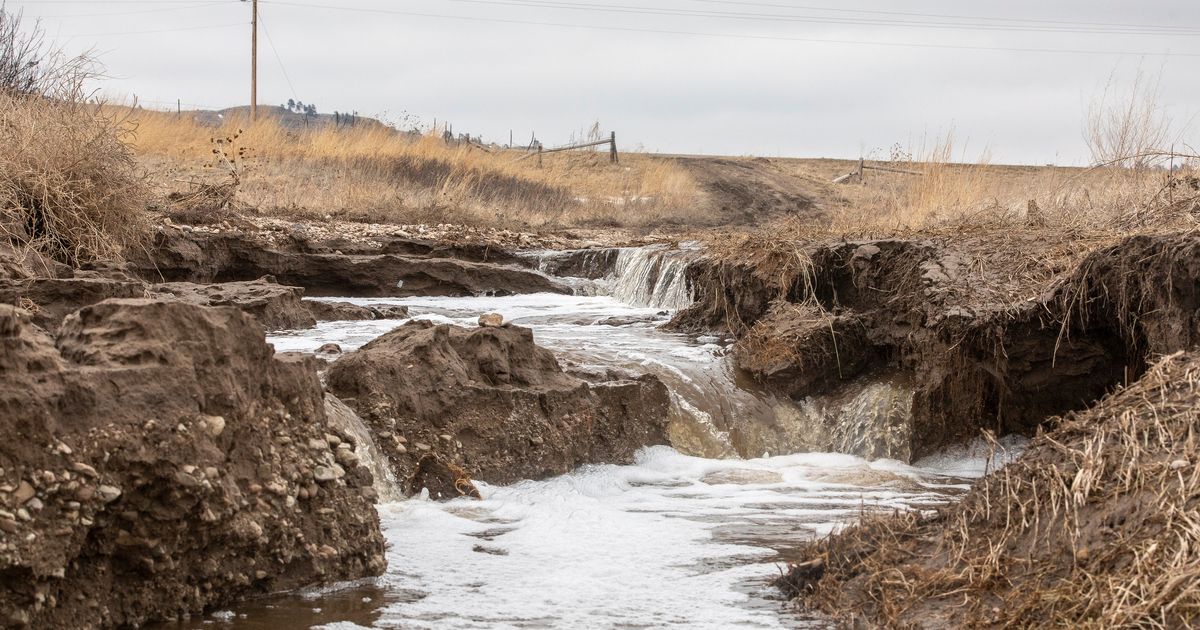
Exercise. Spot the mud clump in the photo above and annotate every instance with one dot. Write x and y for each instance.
(1092, 527)
(492, 403)
(160, 460)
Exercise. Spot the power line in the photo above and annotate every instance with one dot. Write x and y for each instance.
(776, 17)
(278, 59)
(139, 11)
(814, 40)
(935, 15)
(162, 30)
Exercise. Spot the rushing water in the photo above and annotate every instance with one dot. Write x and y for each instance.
(672, 540)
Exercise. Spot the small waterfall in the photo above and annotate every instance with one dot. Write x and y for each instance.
(344, 418)
(652, 276)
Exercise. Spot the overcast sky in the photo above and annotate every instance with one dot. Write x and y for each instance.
(804, 78)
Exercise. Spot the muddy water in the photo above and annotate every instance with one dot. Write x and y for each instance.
(673, 540)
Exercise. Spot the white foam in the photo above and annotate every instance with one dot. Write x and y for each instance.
(670, 541)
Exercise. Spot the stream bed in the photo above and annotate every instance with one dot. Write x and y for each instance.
(671, 540)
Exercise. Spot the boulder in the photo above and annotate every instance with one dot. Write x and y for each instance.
(492, 403)
(170, 454)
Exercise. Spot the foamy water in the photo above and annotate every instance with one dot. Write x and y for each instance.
(669, 541)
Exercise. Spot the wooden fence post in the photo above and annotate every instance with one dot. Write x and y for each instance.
(860, 171)
(539, 146)
(612, 148)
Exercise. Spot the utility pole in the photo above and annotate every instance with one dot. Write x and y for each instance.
(253, 60)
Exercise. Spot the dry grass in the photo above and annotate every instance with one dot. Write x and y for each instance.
(371, 173)
(69, 186)
(948, 193)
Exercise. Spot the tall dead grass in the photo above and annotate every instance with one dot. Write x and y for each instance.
(948, 192)
(69, 185)
(372, 173)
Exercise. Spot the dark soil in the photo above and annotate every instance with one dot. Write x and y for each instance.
(322, 270)
(996, 336)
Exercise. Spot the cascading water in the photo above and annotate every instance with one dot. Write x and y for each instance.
(344, 418)
(652, 276)
(673, 540)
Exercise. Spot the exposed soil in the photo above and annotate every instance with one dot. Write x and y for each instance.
(159, 460)
(750, 190)
(993, 335)
(275, 306)
(493, 404)
(319, 268)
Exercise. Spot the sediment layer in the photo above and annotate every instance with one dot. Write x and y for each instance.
(159, 460)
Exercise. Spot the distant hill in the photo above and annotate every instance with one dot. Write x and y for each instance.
(288, 119)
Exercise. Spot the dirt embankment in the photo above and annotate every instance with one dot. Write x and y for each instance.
(1094, 526)
(1004, 332)
(990, 334)
(490, 404)
(383, 267)
(159, 460)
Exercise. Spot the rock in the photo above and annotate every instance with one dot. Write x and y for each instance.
(213, 425)
(24, 492)
(390, 311)
(166, 517)
(491, 320)
(329, 348)
(492, 389)
(324, 474)
(108, 494)
(345, 311)
(337, 311)
(275, 306)
(626, 320)
(84, 469)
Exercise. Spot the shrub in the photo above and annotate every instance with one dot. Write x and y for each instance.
(69, 185)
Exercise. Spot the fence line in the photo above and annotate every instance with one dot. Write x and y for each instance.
(863, 166)
(611, 141)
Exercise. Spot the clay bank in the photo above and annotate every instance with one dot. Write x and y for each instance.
(286, 427)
